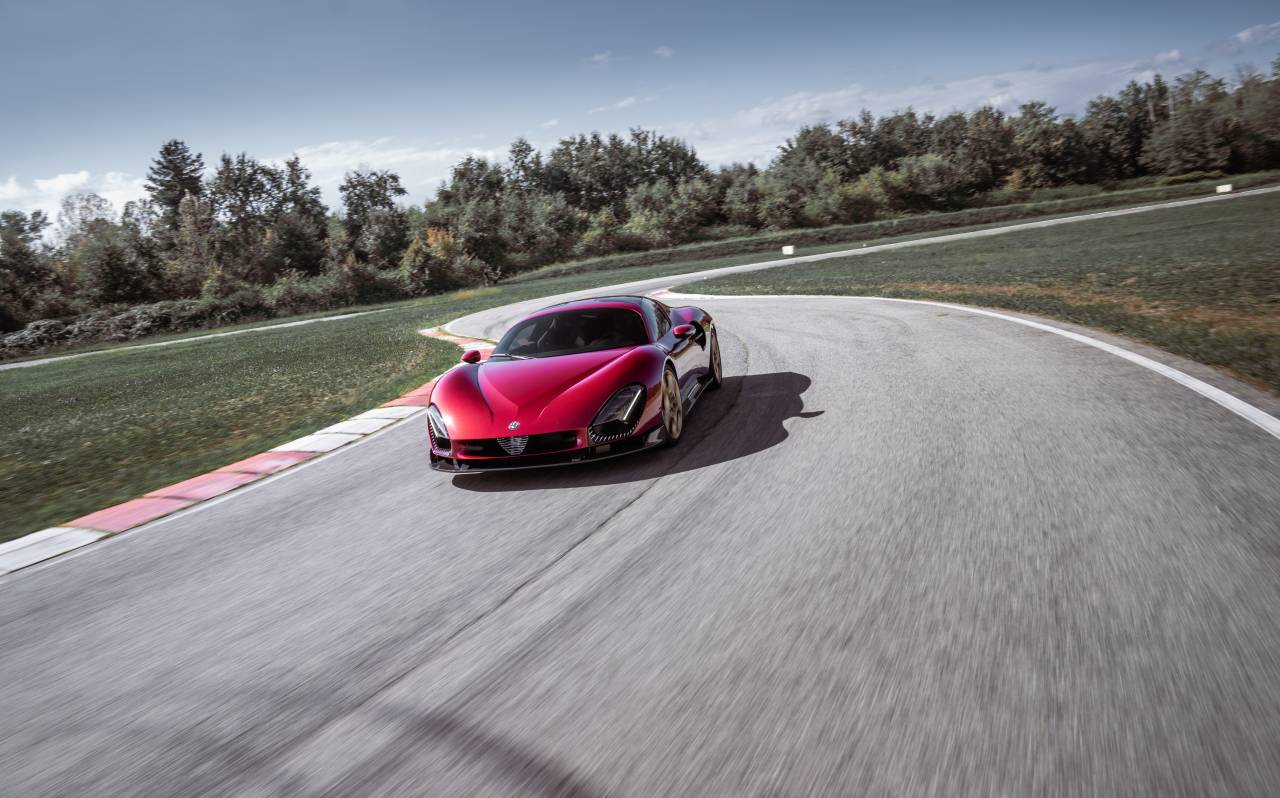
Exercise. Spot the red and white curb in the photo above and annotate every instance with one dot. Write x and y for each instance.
(47, 543)
(479, 344)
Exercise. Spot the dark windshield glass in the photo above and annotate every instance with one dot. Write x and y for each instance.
(573, 331)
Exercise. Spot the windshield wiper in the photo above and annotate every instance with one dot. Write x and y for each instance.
(513, 357)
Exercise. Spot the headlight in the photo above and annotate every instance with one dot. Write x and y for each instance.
(619, 415)
(439, 432)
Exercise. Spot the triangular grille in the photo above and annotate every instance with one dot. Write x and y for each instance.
(515, 444)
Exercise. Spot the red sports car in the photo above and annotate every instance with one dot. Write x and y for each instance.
(578, 381)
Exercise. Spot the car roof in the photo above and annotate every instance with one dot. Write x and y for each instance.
(620, 301)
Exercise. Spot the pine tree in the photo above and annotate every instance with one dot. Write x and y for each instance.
(300, 196)
(176, 173)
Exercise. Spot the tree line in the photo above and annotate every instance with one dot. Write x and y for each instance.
(247, 238)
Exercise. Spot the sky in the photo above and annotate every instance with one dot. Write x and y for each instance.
(93, 89)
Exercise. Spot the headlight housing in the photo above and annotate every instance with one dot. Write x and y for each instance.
(436, 427)
(619, 415)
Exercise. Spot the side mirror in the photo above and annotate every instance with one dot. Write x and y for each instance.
(684, 330)
(471, 356)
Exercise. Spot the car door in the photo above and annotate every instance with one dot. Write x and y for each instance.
(686, 353)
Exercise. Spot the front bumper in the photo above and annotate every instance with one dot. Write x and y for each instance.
(605, 451)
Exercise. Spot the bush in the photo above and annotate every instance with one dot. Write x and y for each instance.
(833, 202)
(116, 269)
(35, 336)
(175, 315)
(919, 183)
(469, 271)
(296, 293)
(605, 235)
(359, 283)
(905, 225)
(58, 305)
(233, 299)
(160, 317)
(421, 271)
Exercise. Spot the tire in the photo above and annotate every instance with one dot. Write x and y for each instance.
(715, 370)
(672, 408)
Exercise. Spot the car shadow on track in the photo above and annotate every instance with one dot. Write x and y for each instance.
(743, 418)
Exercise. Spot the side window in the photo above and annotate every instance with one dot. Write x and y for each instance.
(664, 317)
(657, 316)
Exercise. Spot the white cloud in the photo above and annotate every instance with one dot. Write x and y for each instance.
(1246, 40)
(46, 193)
(625, 102)
(1259, 34)
(754, 133)
(62, 185)
(751, 134)
(421, 168)
(10, 190)
(119, 188)
(1062, 87)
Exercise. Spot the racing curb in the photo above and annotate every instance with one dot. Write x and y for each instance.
(48, 543)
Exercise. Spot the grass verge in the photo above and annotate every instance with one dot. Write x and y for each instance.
(840, 236)
(1201, 281)
(82, 434)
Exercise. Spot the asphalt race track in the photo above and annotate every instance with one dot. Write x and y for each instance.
(906, 549)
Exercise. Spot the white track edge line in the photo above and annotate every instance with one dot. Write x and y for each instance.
(1240, 407)
(44, 361)
(1236, 405)
(927, 239)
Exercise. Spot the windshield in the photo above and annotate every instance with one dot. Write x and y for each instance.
(573, 331)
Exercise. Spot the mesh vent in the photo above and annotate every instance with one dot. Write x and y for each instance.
(515, 444)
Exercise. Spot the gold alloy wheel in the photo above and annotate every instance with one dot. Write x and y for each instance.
(717, 369)
(672, 408)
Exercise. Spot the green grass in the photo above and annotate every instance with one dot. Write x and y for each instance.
(841, 236)
(1201, 281)
(82, 434)
(195, 332)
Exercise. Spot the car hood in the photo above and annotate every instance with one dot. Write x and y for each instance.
(548, 394)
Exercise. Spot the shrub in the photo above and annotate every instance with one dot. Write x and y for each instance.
(114, 270)
(606, 235)
(470, 271)
(297, 293)
(361, 283)
(834, 202)
(232, 297)
(35, 336)
(114, 324)
(422, 272)
(58, 305)
(922, 183)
